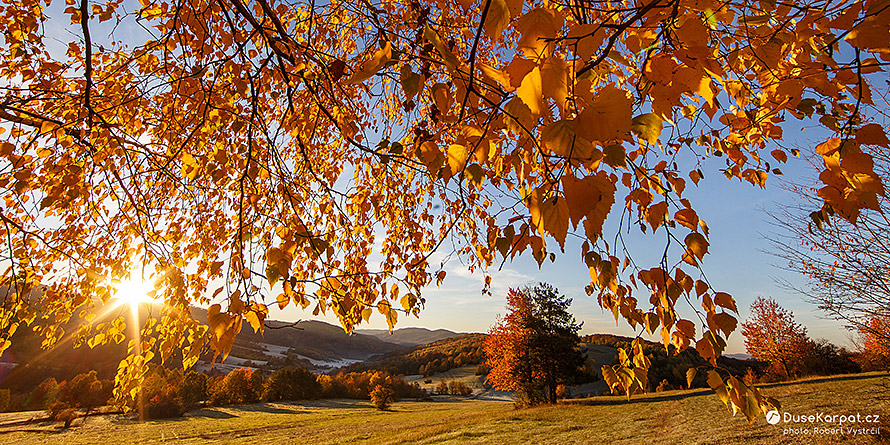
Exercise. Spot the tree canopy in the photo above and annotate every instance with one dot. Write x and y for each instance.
(534, 348)
(327, 150)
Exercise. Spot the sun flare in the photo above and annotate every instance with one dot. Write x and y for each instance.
(133, 291)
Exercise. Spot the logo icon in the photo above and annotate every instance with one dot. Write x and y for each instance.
(773, 417)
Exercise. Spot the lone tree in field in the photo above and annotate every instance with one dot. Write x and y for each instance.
(318, 154)
(534, 348)
(772, 335)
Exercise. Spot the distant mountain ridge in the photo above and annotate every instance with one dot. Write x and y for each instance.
(409, 336)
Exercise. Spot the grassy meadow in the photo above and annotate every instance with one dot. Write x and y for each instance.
(695, 416)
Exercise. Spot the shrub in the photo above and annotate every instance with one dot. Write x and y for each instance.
(382, 397)
(528, 395)
(165, 405)
(238, 387)
(85, 391)
(43, 396)
(457, 388)
(63, 412)
(442, 387)
(193, 389)
(291, 384)
(4, 400)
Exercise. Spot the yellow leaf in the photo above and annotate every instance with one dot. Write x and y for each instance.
(283, 299)
(648, 127)
(370, 67)
(410, 81)
(495, 76)
(447, 56)
(442, 97)
(457, 159)
(688, 218)
(554, 79)
(530, 92)
(497, 18)
(535, 27)
(725, 300)
(559, 137)
(518, 117)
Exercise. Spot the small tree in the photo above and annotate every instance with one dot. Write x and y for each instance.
(875, 345)
(442, 387)
(238, 387)
(534, 348)
(194, 389)
(382, 397)
(382, 394)
(43, 396)
(772, 335)
(291, 384)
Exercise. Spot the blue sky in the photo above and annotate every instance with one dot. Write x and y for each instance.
(738, 262)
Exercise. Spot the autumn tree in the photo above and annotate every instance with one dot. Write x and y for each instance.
(847, 265)
(317, 154)
(772, 335)
(534, 348)
(875, 347)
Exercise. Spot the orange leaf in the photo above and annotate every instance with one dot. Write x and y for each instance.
(872, 134)
(696, 248)
(607, 118)
(550, 215)
(688, 218)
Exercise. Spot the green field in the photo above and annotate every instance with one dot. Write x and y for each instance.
(671, 417)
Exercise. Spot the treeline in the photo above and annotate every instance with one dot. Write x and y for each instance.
(170, 392)
(668, 370)
(429, 359)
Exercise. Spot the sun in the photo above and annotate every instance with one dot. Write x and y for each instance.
(133, 290)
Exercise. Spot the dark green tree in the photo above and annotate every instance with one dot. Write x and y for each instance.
(555, 339)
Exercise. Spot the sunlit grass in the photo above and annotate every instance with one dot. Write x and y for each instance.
(672, 417)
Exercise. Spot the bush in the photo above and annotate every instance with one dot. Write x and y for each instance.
(43, 396)
(238, 387)
(457, 388)
(4, 400)
(528, 395)
(382, 397)
(63, 412)
(193, 389)
(85, 391)
(291, 384)
(442, 387)
(165, 405)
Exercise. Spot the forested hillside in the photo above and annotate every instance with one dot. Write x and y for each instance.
(465, 349)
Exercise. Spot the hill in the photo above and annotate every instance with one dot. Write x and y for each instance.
(315, 345)
(439, 356)
(409, 336)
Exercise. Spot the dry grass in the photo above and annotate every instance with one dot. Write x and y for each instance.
(671, 417)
